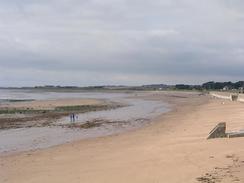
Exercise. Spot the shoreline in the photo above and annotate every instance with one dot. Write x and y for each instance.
(108, 117)
(44, 113)
(169, 146)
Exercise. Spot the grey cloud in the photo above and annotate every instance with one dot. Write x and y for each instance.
(121, 39)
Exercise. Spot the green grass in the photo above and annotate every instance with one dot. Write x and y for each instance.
(84, 108)
(22, 111)
(16, 100)
(77, 108)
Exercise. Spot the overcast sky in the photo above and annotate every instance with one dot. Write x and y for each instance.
(97, 42)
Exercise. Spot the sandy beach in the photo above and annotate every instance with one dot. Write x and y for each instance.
(121, 91)
(171, 149)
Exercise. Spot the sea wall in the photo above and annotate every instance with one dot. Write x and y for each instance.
(228, 96)
(241, 97)
(221, 95)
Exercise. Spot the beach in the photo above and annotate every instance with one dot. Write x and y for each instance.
(172, 148)
(30, 124)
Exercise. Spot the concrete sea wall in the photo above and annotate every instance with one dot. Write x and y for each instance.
(241, 97)
(228, 96)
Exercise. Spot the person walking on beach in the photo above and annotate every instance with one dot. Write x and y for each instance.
(73, 117)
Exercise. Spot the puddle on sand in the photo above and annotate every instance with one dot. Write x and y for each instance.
(136, 109)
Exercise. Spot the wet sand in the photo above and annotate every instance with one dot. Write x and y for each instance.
(50, 104)
(44, 113)
(46, 123)
(172, 149)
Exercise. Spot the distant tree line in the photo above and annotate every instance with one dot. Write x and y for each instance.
(188, 87)
(221, 85)
(212, 86)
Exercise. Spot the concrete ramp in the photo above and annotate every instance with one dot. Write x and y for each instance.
(219, 131)
(235, 134)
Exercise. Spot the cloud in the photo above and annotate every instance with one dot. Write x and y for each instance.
(120, 41)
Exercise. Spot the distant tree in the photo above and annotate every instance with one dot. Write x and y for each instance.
(182, 87)
(220, 85)
(209, 85)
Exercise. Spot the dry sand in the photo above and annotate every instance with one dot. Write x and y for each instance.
(172, 149)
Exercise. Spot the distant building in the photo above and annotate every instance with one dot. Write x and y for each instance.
(241, 90)
(226, 88)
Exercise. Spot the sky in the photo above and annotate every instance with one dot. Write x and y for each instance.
(120, 42)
